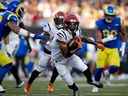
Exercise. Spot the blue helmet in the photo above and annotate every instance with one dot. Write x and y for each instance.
(110, 13)
(14, 6)
(110, 10)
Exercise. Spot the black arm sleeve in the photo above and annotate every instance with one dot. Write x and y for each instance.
(47, 51)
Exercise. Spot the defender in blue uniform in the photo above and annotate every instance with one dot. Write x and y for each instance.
(111, 33)
(9, 20)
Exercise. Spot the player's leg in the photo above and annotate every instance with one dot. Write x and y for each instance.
(77, 63)
(19, 82)
(114, 61)
(43, 60)
(54, 75)
(28, 85)
(64, 72)
(6, 60)
(100, 64)
(10, 68)
(52, 80)
(3, 71)
(15, 73)
(23, 67)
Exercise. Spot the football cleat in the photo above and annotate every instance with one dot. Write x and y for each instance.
(27, 89)
(20, 84)
(95, 89)
(51, 88)
(2, 90)
(99, 85)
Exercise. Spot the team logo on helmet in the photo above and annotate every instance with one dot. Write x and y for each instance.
(110, 13)
(110, 10)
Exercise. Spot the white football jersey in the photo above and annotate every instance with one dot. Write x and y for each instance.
(52, 30)
(62, 35)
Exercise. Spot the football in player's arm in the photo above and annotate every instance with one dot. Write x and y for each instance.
(70, 48)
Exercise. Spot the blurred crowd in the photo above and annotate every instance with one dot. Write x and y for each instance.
(87, 10)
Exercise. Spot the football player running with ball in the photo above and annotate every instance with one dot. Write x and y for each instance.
(63, 47)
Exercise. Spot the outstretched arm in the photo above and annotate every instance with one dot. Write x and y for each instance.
(97, 44)
(17, 29)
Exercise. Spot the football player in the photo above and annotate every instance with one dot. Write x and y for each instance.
(9, 20)
(66, 42)
(111, 33)
(45, 54)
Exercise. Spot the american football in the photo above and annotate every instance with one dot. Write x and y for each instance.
(74, 44)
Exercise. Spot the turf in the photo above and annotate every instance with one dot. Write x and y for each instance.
(118, 88)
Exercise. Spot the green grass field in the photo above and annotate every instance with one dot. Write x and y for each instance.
(118, 88)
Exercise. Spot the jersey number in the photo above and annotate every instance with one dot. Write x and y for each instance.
(107, 33)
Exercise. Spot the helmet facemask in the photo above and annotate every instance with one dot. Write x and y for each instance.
(72, 27)
(109, 18)
(20, 12)
(59, 22)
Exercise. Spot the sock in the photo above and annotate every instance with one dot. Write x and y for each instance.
(14, 72)
(113, 69)
(3, 70)
(98, 74)
(73, 87)
(34, 75)
(88, 75)
(1, 81)
(54, 75)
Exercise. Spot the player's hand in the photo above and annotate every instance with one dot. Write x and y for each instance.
(100, 46)
(78, 41)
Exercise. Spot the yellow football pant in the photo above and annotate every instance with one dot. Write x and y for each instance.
(107, 57)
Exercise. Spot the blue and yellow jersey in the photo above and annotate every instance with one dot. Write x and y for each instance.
(113, 28)
(5, 18)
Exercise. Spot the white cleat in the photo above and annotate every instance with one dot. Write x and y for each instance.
(108, 83)
(2, 90)
(95, 89)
